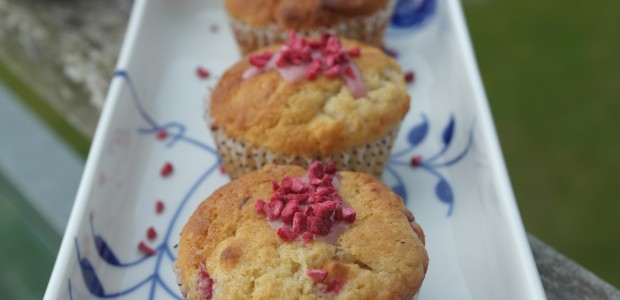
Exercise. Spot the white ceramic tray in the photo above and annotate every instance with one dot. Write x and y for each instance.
(460, 193)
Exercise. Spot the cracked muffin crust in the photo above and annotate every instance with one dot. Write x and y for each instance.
(259, 23)
(229, 251)
(315, 119)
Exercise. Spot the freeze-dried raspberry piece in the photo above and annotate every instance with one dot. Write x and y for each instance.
(335, 285)
(260, 60)
(151, 233)
(325, 209)
(289, 211)
(354, 52)
(286, 234)
(317, 275)
(298, 186)
(307, 211)
(307, 237)
(338, 215)
(161, 134)
(319, 226)
(299, 222)
(273, 209)
(159, 206)
(316, 181)
(418, 231)
(287, 184)
(335, 197)
(205, 284)
(259, 205)
(301, 198)
(322, 191)
(279, 195)
(144, 248)
(274, 185)
(349, 72)
(409, 76)
(316, 170)
(166, 170)
(332, 71)
(348, 215)
(331, 168)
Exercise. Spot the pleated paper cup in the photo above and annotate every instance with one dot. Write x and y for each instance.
(240, 158)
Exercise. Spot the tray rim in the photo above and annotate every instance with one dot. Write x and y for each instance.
(489, 137)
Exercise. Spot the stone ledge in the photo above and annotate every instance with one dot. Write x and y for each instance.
(66, 49)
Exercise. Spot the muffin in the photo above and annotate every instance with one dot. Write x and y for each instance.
(284, 233)
(260, 23)
(318, 99)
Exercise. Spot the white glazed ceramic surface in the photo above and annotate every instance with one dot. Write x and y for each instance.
(459, 193)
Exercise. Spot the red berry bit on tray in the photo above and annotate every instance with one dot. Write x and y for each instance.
(166, 169)
(144, 248)
(151, 234)
(409, 76)
(161, 134)
(202, 73)
(306, 207)
(416, 161)
(159, 207)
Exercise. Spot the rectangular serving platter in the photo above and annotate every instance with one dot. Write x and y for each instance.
(459, 191)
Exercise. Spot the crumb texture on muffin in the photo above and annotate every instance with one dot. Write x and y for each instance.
(311, 117)
(228, 251)
(289, 14)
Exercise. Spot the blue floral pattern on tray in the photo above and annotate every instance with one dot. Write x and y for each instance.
(413, 13)
(177, 134)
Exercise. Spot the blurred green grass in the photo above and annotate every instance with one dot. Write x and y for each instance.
(29, 246)
(551, 70)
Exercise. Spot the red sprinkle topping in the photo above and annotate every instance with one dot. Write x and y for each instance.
(416, 161)
(330, 168)
(348, 215)
(259, 205)
(307, 237)
(306, 207)
(354, 52)
(409, 76)
(299, 222)
(325, 55)
(161, 134)
(144, 248)
(159, 207)
(151, 233)
(349, 72)
(260, 60)
(286, 234)
(317, 275)
(166, 169)
(202, 72)
(222, 169)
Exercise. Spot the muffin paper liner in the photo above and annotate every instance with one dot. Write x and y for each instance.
(367, 29)
(240, 158)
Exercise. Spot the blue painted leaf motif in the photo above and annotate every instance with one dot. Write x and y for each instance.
(447, 133)
(418, 133)
(105, 251)
(444, 193)
(400, 190)
(91, 280)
